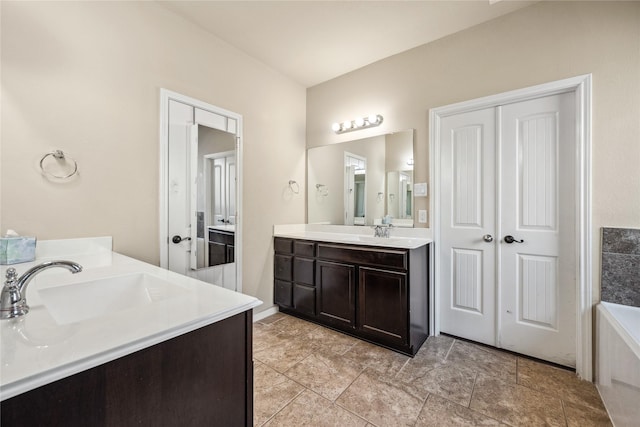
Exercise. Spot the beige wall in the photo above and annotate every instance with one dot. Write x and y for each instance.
(85, 77)
(544, 42)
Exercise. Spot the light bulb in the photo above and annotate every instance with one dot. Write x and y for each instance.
(359, 122)
(335, 127)
(346, 125)
(373, 119)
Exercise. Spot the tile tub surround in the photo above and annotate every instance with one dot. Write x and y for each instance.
(621, 266)
(306, 374)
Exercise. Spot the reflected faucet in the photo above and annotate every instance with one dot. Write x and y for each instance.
(13, 301)
(382, 230)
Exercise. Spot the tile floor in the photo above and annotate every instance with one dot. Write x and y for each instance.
(308, 375)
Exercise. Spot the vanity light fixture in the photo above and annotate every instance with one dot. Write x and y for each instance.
(359, 123)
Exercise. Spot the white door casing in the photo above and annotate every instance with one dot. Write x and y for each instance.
(179, 196)
(467, 159)
(581, 88)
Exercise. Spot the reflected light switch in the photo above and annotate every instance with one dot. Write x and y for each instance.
(422, 216)
(420, 189)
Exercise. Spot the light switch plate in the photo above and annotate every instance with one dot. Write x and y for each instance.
(420, 189)
(422, 216)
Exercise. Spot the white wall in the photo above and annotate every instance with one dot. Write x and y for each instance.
(85, 77)
(545, 42)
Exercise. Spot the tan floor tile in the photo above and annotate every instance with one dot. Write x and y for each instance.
(442, 412)
(264, 336)
(483, 360)
(582, 416)
(284, 356)
(382, 360)
(381, 400)
(559, 382)
(272, 392)
(449, 382)
(430, 356)
(515, 404)
(326, 374)
(272, 319)
(290, 326)
(309, 409)
(330, 341)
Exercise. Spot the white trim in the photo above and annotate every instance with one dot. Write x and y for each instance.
(165, 97)
(581, 86)
(265, 313)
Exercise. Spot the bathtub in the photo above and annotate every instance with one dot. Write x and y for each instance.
(618, 361)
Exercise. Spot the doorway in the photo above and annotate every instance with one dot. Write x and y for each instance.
(196, 141)
(512, 233)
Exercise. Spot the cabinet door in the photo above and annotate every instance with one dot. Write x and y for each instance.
(382, 305)
(336, 293)
(217, 254)
(231, 250)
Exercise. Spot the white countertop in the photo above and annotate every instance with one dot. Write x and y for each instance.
(225, 227)
(400, 238)
(35, 350)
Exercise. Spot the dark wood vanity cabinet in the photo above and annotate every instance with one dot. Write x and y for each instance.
(201, 378)
(221, 247)
(376, 293)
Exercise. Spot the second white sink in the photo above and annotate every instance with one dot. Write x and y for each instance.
(95, 298)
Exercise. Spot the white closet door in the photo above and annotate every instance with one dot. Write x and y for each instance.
(538, 202)
(467, 241)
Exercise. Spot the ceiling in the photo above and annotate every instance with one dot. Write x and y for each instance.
(315, 41)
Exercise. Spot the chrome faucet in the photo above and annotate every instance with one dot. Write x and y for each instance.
(13, 300)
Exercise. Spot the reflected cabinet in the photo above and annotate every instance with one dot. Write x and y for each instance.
(375, 293)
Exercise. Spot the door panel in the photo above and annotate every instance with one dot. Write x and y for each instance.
(467, 298)
(537, 278)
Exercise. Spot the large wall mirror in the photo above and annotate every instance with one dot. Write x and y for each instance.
(362, 182)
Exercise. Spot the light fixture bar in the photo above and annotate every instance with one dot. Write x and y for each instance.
(357, 124)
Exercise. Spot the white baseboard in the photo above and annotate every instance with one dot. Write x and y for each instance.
(265, 313)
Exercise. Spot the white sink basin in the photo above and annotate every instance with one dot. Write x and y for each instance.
(96, 298)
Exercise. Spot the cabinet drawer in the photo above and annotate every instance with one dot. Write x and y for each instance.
(304, 248)
(283, 246)
(221, 237)
(283, 267)
(304, 271)
(283, 294)
(366, 256)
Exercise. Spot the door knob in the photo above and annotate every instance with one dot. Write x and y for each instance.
(178, 239)
(511, 239)
(487, 238)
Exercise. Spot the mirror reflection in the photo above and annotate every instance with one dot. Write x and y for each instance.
(215, 198)
(362, 182)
